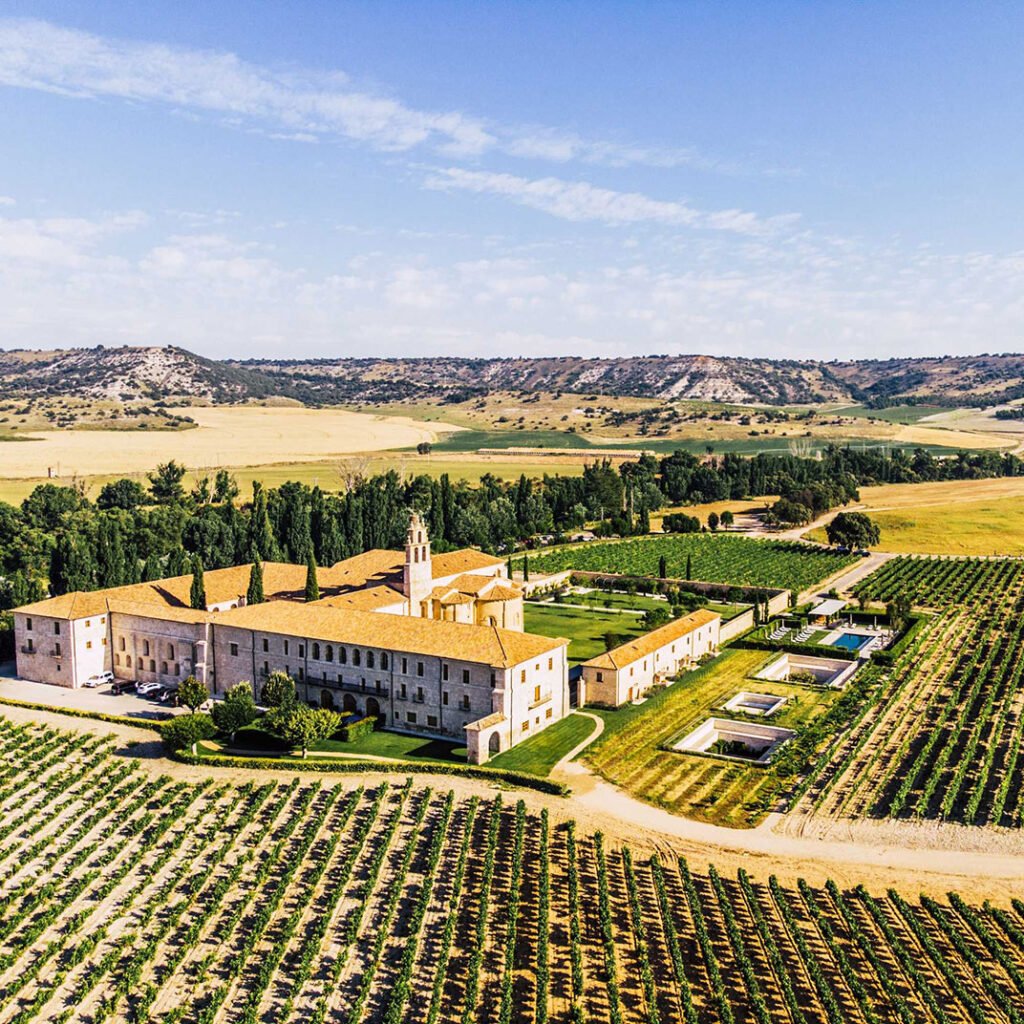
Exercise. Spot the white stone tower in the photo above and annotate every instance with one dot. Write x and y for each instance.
(418, 576)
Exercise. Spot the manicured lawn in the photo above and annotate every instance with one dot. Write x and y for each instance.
(399, 746)
(538, 755)
(629, 752)
(584, 629)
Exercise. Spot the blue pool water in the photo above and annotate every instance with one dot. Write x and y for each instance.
(851, 641)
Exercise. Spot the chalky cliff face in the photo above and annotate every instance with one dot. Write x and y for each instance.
(425, 645)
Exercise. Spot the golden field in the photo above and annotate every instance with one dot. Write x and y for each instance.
(958, 517)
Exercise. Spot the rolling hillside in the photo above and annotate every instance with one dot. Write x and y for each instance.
(152, 373)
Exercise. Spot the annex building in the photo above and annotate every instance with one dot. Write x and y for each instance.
(629, 672)
(432, 645)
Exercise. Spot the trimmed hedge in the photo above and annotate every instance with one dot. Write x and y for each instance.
(99, 716)
(749, 643)
(346, 766)
(888, 657)
(352, 731)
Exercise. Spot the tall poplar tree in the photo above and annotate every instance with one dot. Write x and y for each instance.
(254, 595)
(312, 586)
(197, 595)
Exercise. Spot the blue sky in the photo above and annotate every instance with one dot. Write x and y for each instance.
(816, 179)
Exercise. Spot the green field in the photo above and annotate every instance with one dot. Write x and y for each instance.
(537, 756)
(629, 753)
(741, 561)
(905, 414)
(586, 631)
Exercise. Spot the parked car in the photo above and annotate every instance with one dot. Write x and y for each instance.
(148, 687)
(166, 695)
(99, 679)
(125, 686)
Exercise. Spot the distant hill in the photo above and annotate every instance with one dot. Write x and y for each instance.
(129, 374)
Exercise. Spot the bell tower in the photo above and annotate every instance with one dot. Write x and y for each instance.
(418, 575)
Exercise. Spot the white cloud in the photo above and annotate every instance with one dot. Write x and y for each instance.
(7, 201)
(287, 104)
(72, 281)
(581, 201)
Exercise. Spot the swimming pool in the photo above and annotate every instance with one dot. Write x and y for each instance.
(850, 641)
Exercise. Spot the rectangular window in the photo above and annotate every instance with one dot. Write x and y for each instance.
(56, 649)
(234, 650)
(403, 691)
(152, 665)
(28, 623)
(444, 671)
(526, 726)
(120, 643)
(145, 647)
(465, 677)
(266, 645)
(600, 677)
(88, 623)
(536, 693)
(419, 693)
(177, 668)
(419, 668)
(286, 647)
(88, 645)
(103, 620)
(432, 721)
(549, 712)
(522, 676)
(31, 645)
(302, 650)
(410, 717)
(56, 629)
(444, 698)
(302, 674)
(266, 668)
(405, 666)
(551, 664)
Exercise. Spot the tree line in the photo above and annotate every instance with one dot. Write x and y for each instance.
(58, 540)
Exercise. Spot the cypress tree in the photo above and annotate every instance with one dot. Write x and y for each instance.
(177, 562)
(510, 567)
(663, 568)
(197, 596)
(689, 567)
(526, 568)
(312, 587)
(254, 595)
(151, 568)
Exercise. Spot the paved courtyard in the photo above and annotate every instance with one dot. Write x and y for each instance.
(100, 699)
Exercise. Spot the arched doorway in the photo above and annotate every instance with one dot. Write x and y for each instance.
(348, 704)
(494, 743)
(327, 699)
(373, 711)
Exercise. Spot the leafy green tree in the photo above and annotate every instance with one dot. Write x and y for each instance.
(312, 586)
(225, 487)
(70, 566)
(197, 595)
(712, 521)
(254, 594)
(727, 519)
(187, 731)
(151, 568)
(278, 691)
(898, 611)
(48, 506)
(236, 710)
(201, 493)
(655, 617)
(302, 726)
(165, 483)
(853, 530)
(177, 562)
(193, 694)
(111, 570)
(122, 494)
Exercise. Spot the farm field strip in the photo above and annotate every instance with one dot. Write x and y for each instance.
(942, 739)
(302, 901)
(741, 561)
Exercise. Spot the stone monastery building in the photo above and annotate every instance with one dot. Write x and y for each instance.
(428, 645)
